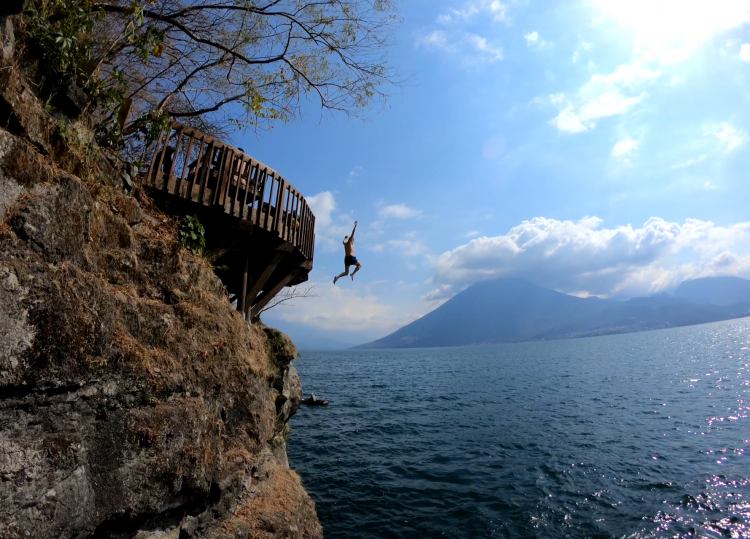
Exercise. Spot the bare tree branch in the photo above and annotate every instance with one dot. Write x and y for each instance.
(289, 294)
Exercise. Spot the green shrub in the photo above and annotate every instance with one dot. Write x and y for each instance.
(191, 234)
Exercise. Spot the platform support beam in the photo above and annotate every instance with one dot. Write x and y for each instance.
(262, 280)
(243, 294)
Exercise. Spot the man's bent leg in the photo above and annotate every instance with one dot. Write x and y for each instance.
(359, 266)
(341, 275)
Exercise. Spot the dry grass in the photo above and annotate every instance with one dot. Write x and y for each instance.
(282, 508)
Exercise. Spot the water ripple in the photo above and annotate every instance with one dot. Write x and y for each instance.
(639, 436)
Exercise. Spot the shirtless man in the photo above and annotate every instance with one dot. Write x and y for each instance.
(349, 259)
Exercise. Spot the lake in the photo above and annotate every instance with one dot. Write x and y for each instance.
(636, 435)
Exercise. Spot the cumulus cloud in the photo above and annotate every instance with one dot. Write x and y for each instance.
(322, 205)
(444, 293)
(624, 148)
(398, 211)
(533, 41)
(355, 173)
(668, 31)
(729, 136)
(602, 96)
(330, 225)
(492, 8)
(582, 114)
(745, 52)
(581, 256)
(437, 39)
(690, 162)
(481, 45)
(463, 30)
(664, 33)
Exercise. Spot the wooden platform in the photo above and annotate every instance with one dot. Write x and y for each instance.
(260, 233)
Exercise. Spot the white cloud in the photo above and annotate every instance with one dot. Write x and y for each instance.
(493, 8)
(625, 75)
(322, 205)
(583, 115)
(442, 294)
(745, 52)
(533, 41)
(664, 33)
(582, 257)
(398, 211)
(729, 136)
(330, 225)
(668, 31)
(437, 39)
(480, 44)
(708, 186)
(602, 96)
(691, 162)
(624, 148)
(582, 47)
(460, 31)
(472, 234)
(355, 173)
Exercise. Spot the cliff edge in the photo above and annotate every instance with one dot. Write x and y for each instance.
(134, 402)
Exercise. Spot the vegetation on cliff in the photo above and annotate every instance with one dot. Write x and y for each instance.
(131, 65)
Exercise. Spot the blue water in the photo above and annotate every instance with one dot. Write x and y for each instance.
(637, 435)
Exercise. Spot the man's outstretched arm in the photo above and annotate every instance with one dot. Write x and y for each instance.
(354, 230)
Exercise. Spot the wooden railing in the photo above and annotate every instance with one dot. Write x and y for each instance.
(197, 167)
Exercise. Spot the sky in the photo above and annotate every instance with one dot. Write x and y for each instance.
(596, 147)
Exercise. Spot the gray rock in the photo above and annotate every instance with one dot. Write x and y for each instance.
(16, 334)
(134, 402)
(7, 39)
(10, 190)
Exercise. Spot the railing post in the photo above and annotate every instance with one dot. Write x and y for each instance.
(178, 187)
(264, 179)
(153, 169)
(279, 207)
(206, 169)
(198, 170)
(222, 176)
(174, 158)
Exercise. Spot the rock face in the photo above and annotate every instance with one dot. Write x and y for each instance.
(134, 402)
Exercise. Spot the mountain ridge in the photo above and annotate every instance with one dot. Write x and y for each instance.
(515, 310)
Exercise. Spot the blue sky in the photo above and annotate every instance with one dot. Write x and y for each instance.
(598, 147)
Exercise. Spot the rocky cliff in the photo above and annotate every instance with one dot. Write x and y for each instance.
(134, 402)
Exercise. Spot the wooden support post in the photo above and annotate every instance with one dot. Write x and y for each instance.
(268, 295)
(243, 294)
(262, 280)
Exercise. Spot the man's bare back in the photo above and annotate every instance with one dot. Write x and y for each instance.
(349, 258)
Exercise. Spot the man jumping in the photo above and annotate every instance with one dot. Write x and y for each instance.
(349, 258)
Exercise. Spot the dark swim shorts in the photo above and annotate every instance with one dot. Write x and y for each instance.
(350, 261)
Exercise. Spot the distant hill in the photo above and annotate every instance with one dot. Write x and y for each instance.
(514, 310)
(715, 290)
